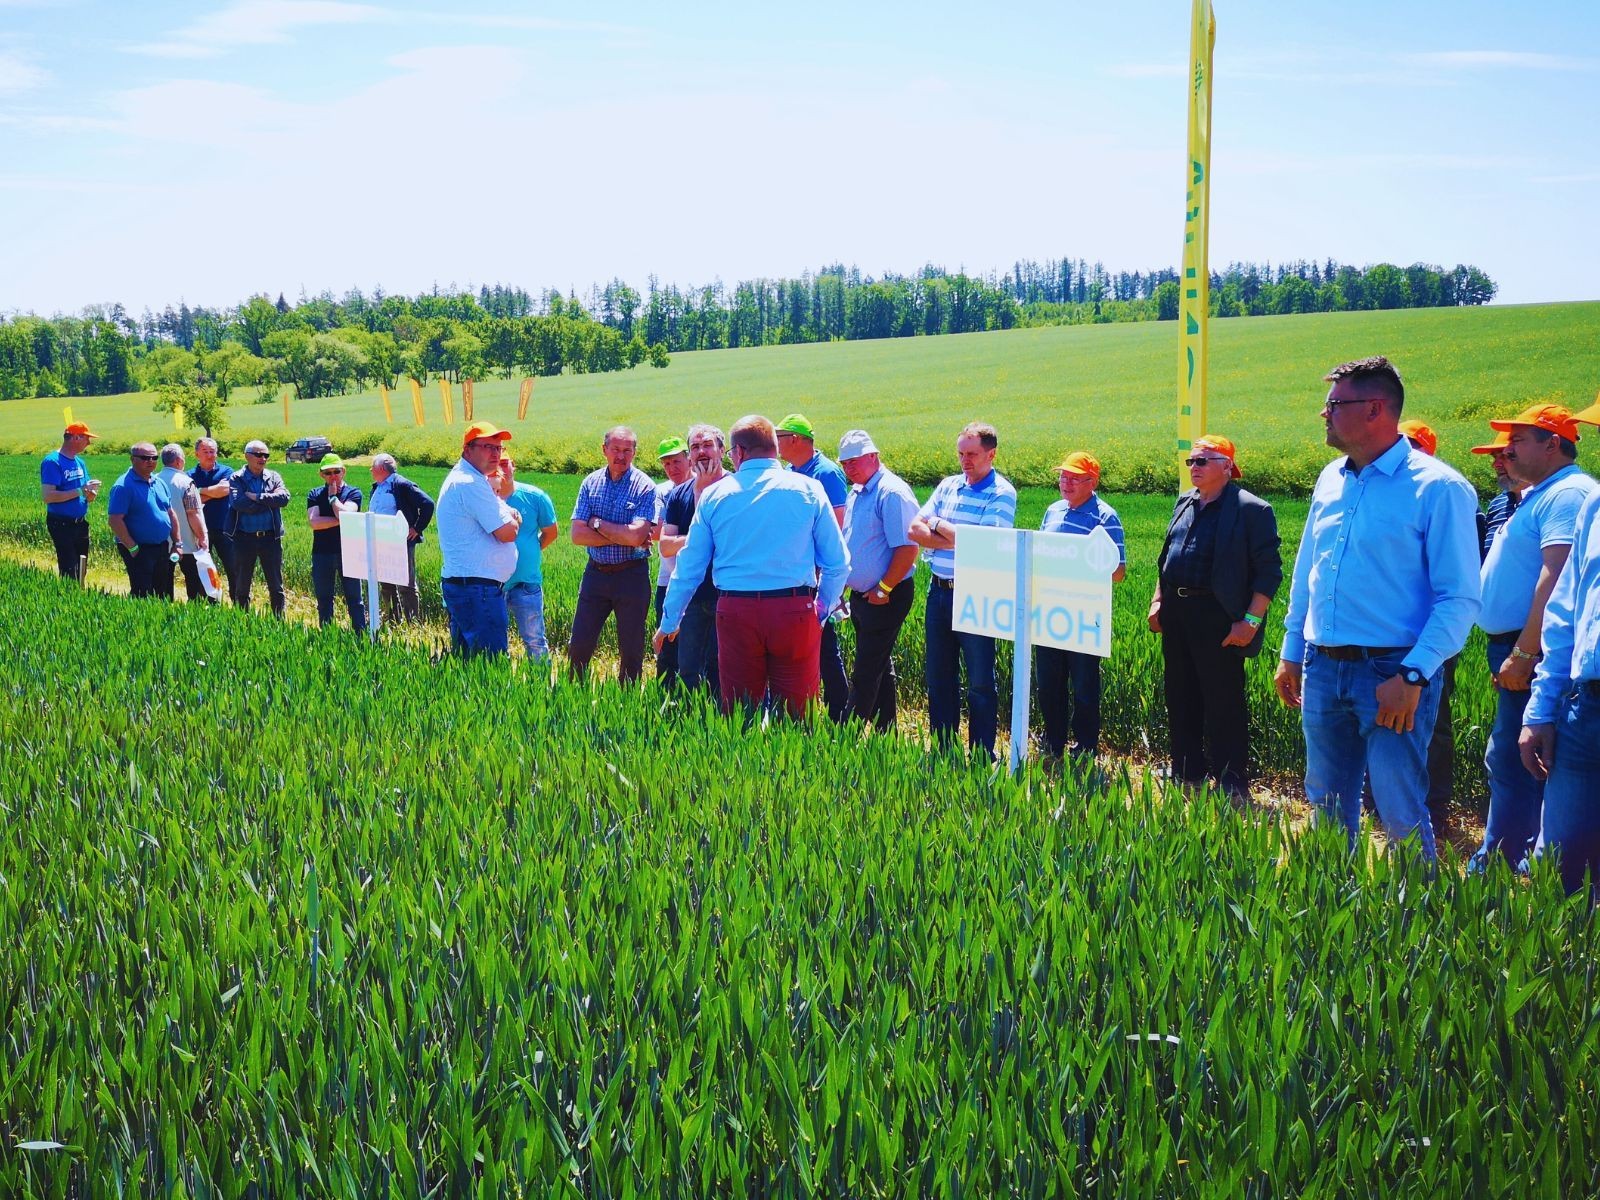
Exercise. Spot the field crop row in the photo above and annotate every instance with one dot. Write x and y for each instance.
(272, 932)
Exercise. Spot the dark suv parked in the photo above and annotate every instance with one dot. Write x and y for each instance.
(309, 450)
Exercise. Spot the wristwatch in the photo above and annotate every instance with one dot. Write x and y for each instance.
(594, 524)
(1413, 676)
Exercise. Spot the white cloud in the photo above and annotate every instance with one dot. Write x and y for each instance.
(255, 23)
(18, 74)
(1520, 59)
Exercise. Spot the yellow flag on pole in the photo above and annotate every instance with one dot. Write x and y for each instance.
(1194, 288)
(523, 397)
(286, 408)
(177, 416)
(66, 416)
(416, 403)
(387, 415)
(449, 402)
(466, 399)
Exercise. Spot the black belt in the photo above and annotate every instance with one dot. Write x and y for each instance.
(257, 533)
(1358, 653)
(939, 581)
(772, 594)
(1591, 688)
(51, 518)
(474, 581)
(613, 568)
(1189, 593)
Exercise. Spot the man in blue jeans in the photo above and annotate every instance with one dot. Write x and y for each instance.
(525, 586)
(1520, 572)
(977, 495)
(477, 535)
(1360, 657)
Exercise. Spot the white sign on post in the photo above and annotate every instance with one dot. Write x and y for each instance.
(372, 546)
(1060, 581)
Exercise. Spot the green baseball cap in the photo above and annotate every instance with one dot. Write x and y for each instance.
(330, 462)
(796, 424)
(670, 446)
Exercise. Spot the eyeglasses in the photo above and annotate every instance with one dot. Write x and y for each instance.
(146, 457)
(332, 473)
(1201, 461)
(1331, 404)
(495, 446)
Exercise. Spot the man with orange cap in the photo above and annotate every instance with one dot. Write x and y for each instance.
(67, 492)
(1504, 502)
(1517, 579)
(477, 540)
(1421, 436)
(1068, 682)
(1218, 570)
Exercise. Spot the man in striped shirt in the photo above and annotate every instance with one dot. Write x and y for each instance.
(978, 495)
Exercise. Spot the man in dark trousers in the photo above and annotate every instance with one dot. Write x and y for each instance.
(323, 506)
(1218, 571)
(393, 493)
(67, 491)
(255, 522)
(144, 523)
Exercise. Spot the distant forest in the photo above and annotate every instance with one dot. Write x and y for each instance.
(324, 346)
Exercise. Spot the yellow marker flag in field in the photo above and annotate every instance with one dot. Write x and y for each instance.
(387, 415)
(449, 401)
(286, 408)
(466, 399)
(66, 416)
(523, 397)
(1194, 288)
(416, 403)
(177, 416)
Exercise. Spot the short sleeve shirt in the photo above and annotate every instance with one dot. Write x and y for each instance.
(65, 474)
(991, 501)
(216, 511)
(664, 571)
(538, 512)
(830, 475)
(1093, 513)
(186, 499)
(467, 517)
(1546, 517)
(622, 501)
(144, 504)
(326, 541)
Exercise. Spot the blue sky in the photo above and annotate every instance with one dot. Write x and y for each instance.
(151, 152)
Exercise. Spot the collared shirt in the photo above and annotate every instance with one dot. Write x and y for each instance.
(664, 572)
(1571, 632)
(144, 504)
(760, 529)
(1495, 515)
(991, 501)
(538, 513)
(1093, 513)
(186, 499)
(679, 513)
(65, 473)
(383, 501)
(216, 511)
(877, 522)
(248, 483)
(1193, 546)
(1389, 558)
(467, 516)
(623, 501)
(1510, 574)
(327, 541)
(830, 475)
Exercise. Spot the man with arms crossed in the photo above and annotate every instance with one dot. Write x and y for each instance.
(477, 535)
(211, 478)
(614, 519)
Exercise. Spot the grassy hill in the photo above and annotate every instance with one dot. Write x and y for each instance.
(1108, 388)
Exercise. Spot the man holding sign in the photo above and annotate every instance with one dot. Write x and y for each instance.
(323, 506)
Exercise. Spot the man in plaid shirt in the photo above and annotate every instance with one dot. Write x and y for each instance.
(613, 519)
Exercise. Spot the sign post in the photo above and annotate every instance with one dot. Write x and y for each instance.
(372, 547)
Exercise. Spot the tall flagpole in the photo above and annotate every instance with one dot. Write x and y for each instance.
(1194, 288)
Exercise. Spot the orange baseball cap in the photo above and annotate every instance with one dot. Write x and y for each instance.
(1079, 463)
(1501, 441)
(1422, 435)
(1590, 415)
(482, 429)
(1220, 445)
(1553, 417)
(80, 429)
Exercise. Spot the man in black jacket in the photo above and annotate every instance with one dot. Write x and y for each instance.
(393, 493)
(1218, 571)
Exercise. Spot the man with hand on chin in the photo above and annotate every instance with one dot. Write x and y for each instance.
(696, 643)
(1385, 588)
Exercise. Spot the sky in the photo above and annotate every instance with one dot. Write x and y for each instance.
(153, 151)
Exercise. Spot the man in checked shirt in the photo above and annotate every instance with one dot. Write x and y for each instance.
(613, 519)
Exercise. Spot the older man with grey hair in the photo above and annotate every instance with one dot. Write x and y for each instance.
(191, 523)
(394, 494)
(255, 522)
(142, 520)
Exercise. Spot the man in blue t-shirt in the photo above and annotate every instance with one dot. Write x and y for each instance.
(67, 492)
(323, 506)
(525, 587)
(144, 523)
(211, 481)
(797, 446)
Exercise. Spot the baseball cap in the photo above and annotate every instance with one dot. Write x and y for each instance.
(80, 429)
(1590, 415)
(330, 462)
(1079, 463)
(1501, 441)
(796, 424)
(1220, 445)
(1422, 434)
(856, 443)
(486, 431)
(670, 446)
(1555, 418)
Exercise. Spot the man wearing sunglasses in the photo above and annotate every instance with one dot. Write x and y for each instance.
(144, 523)
(477, 540)
(255, 523)
(323, 506)
(67, 491)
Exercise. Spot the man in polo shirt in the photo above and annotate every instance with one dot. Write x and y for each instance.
(1504, 502)
(323, 506)
(395, 495)
(614, 519)
(67, 492)
(697, 631)
(883, 562)
(673, 454)
(1360, 660)
(778, 560)
(211, 480)
(797, 446)
(1068, 683)
(477, 536)
(1518, 576)
(536, 534)
(978, 495)
(185, 499)
(256, 500)
(143, 521)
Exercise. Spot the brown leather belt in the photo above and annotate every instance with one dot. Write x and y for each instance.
(940, 582)
(1358, 653)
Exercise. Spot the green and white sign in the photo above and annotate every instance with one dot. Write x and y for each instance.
(1068, 587)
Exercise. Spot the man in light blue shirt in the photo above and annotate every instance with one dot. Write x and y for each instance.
(477, 532)
(1519, 573)
(779, 564)
(883, 564)
(977, 495)
(1385, 588)
(1561, 727)
(525, 586)
(797, 446)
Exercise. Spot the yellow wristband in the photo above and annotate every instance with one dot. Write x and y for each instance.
(886, 586)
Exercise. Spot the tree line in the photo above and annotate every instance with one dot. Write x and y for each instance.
(323, 346)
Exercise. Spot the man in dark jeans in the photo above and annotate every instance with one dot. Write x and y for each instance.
(211, 478)
(393, 493)
(323, 506)
(67, 491)
(255, 522)
(144, 523)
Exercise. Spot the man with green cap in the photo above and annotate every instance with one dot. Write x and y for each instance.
(323, 506)
(797, 446)
(673, 452)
